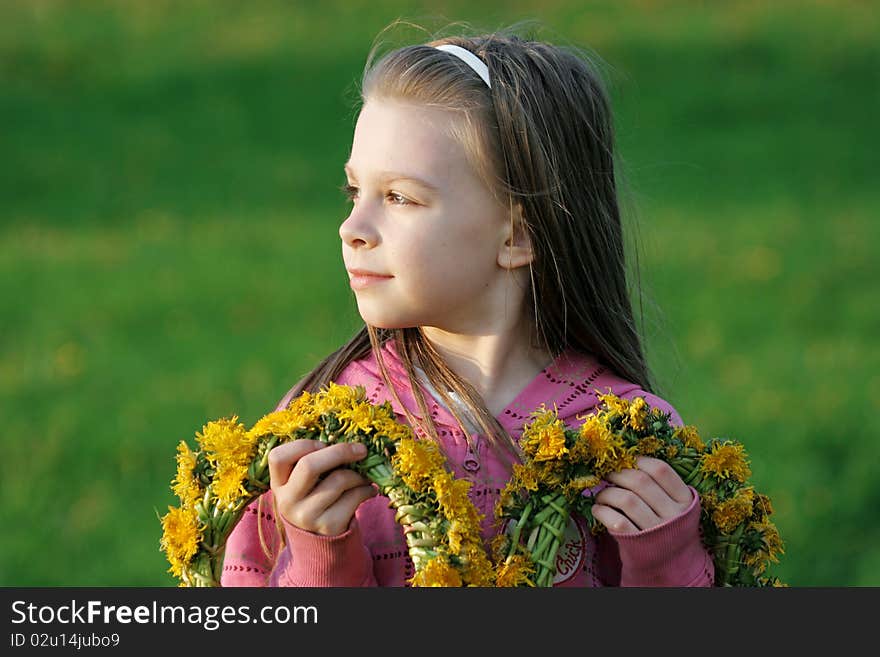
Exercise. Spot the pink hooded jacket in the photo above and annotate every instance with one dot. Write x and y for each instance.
(373, 551)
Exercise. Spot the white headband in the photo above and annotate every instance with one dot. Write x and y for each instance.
(470, 59)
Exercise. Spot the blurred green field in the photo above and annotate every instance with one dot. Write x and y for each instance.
(169, 255)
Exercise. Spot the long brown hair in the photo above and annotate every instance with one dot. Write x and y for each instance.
(540, 137)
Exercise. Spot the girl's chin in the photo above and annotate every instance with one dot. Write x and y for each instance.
(375, 315)
(388, 325)
(386, 322)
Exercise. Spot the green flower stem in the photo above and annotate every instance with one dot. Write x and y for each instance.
(517, 531)
(421, 538)
(552, 503)
(727, 567)
(206, 568)
(410, 514)
(692, 474)
(557, 530)
(421, 556)
(201, 571)
(533, 538)
(258, 472)
(546, 537)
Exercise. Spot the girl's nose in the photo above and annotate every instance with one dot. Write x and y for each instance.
(358, 231)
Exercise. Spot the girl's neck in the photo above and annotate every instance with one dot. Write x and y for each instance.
(498, 366)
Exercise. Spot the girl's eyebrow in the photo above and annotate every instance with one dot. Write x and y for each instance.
(393, 176)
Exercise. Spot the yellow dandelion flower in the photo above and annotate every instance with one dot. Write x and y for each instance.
(544, 438)
(181, 534)
(515, 571)
(417, 461)
(649, 445)
(762, 509)
(229, 483)
(550, 473)
(335, 397)
(226, 439)
(506, 498)
(599, 442)
(578, 485)
(358, 417)
(305, 409)
(437, 572)
(499, 545)
(230, 448)
(305, 400)
(756, 561)
(456, 535)
(726, 460)
(771, 539)
(478, 570)
(670, 451)
(690, 437)
(614, 404)
(625, 460)
(542, 417)
(389, 426)
(284, 422)
(549, 443)
(730, 514)
(581, 451)
(185, 484)
(638, 414)
(709, 500)
(525, 477)
(455, 505)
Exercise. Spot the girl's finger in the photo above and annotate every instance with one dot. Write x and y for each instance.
(667, 478)
(613, 520)
(334, 486)
(314, 465)
(629, 504)
(649, 491)
(338, 517)
(283, 458)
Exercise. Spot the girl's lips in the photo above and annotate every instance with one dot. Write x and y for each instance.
(359, 279)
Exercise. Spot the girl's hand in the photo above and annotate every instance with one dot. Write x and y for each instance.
(643, 498)
(311, 490)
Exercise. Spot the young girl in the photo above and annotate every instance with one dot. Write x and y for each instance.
(484, 248)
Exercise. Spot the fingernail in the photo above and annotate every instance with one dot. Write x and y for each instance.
(359, 449)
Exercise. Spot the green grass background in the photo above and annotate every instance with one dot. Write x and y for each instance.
(169, 255)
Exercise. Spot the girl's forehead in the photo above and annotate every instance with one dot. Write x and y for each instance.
(430, 117)
(404, 136)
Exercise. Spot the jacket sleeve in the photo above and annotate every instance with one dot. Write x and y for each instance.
(671, 554)
(315, 560)
(256, 556)
(252, 545)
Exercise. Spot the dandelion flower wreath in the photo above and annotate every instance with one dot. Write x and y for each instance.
(562, 466)
(229, 469)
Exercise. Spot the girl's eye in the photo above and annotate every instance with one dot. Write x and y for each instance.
(397, 199)
(351, 192)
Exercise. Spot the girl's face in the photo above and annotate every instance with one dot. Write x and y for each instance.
(422, 242)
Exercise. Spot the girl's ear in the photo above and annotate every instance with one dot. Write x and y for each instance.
(516, 247)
